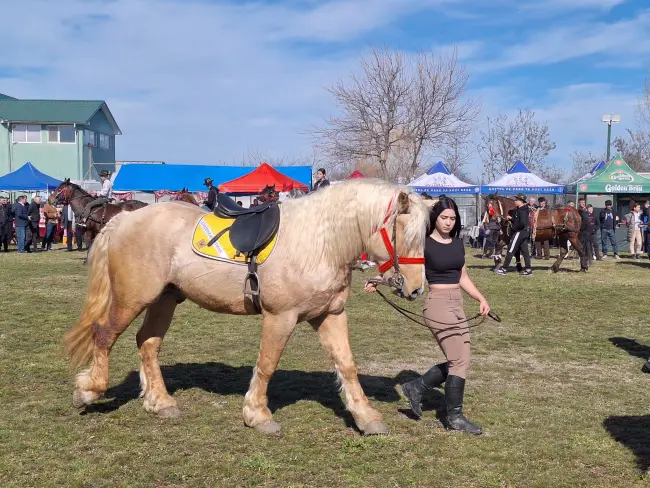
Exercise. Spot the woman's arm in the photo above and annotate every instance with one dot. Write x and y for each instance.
(469, 287)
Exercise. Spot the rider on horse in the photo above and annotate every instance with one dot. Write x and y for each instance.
(105, 196)
(213, 191)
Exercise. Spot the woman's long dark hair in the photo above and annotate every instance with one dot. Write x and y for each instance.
(445, 203)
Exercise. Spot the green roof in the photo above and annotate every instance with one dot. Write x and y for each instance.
(617, 177)
(53, 111)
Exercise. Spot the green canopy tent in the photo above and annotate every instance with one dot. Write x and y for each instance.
(616, 182)
(616, 178)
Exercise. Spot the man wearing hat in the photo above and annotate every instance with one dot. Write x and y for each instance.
(104, 196)
(213, 191)
(608, 220)
(520, 241)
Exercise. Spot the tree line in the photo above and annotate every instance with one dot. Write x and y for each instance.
(398, 112)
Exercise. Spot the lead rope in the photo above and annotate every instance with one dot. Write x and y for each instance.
(409, 314)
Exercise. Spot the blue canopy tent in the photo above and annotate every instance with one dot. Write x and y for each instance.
(440, 180)
(28, 178)
(520, 179)
(174, 177)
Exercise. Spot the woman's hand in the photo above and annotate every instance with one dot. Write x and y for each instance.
(484, 307)
(371, 287)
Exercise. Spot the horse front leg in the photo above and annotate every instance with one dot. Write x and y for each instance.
(585, 259)
(333, 334)
(276, 330)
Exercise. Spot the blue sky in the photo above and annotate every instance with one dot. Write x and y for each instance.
(203, 81)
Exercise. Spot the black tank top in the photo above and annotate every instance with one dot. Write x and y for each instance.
(443, 263)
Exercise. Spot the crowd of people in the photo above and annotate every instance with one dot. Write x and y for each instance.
(599, 230)
(20, 222)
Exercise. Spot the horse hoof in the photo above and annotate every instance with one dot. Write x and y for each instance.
(376, 428)
(169, 413)
(82, 398)
(270, 427)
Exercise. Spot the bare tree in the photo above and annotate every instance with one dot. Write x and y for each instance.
(255, 156)
(374, 108)
(635, 149)
(439, 113)
(457, 152)
(643, 108)
(582, 163)
(523, 138)
(395, 111)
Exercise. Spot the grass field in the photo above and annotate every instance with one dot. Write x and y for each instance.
(557, 387)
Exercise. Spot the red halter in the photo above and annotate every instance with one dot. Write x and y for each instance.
(395, 260)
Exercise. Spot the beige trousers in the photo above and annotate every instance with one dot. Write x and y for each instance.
(446, 305)
(636, 242)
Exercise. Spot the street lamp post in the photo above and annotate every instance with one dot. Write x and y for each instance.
(609, 120)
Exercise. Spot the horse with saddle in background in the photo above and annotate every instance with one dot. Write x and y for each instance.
(294, 261)
(68, 193)
(546, 223)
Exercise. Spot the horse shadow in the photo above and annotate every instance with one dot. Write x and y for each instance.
(632, 347)
(632, 432)
(637, 263)
(286, 387)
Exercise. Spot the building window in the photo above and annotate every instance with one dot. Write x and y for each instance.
(89, 137)
(26, 133)
(61, 134)
(104, 141)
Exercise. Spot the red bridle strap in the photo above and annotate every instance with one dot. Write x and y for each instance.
(391, 252)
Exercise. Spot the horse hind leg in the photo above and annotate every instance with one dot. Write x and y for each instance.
(333, 333)
(149, 338)
(276, 330)
(91, 383)
(562, 241)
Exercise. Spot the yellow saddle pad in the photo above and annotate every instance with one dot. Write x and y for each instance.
(222, 250)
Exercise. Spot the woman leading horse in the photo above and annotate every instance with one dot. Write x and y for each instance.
(306, 278)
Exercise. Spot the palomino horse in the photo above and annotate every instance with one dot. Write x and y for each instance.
(68, 193)
(307, 277)
(185, 196)
(559, 221)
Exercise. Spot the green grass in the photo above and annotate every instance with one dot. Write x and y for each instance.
(561, 404)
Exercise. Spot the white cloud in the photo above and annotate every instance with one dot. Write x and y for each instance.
(626, 39)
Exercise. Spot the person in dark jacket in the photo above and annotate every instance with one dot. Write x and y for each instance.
(6, 223)
(520, 241)
(321, 181)
(592, 231)
(645, 218)
(493, 231)
(34, 216)
(213, 191)
(608, 221)
(20, 214)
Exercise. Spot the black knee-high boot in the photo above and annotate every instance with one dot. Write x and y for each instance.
(454, 392)
(413, 390)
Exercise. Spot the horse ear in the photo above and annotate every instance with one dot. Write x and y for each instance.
(403, 202)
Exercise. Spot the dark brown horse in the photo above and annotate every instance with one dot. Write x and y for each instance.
(68, 193)
(185, 196)
(269, 193)
(561, 222)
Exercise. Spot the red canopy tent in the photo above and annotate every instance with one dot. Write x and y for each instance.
(355, 174)
(255, 181)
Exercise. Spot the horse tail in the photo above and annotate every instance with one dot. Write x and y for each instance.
(79, 341)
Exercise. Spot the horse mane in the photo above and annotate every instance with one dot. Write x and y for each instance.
(353, 211)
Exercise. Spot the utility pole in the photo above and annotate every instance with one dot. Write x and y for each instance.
(609, 120)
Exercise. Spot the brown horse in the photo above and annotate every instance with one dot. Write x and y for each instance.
(185, 196)
(559, 221)
(68, 193)
(306, 278)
